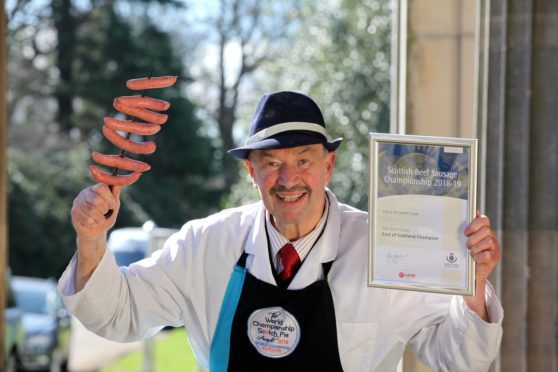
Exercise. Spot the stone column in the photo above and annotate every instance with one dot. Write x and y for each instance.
(542, 317)
(522, 176)
(441, 67)
(3, 171)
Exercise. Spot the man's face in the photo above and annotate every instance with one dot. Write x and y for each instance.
(292, 185)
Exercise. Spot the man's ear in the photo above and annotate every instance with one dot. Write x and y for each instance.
(330, 164)
(248, 165)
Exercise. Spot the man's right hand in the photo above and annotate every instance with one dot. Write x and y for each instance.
(89, 209)
(88, 218)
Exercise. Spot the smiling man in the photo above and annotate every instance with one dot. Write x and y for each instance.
(292, 185)
(280, 284)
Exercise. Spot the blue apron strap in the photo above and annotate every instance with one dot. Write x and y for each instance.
(220, 345)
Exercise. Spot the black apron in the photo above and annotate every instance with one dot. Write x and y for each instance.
(263, 327)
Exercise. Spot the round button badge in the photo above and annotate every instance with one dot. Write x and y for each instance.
(274, 332)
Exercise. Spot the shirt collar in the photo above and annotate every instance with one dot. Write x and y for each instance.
(302, 245)
(256, 246)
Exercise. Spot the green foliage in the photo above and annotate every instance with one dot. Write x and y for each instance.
(39, 201)
(340, 57)
(41, 188)
(179, 185)
(338, 53)
(243, 192)
(48, 162)
(110, 52)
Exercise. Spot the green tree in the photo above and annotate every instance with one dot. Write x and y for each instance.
(48, 161)
(340, 57)
(244, 35)
(41, 188)
(182, 184)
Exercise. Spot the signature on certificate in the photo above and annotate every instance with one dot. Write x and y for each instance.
(395, 258)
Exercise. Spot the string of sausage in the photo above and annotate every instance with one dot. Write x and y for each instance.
(139, 108)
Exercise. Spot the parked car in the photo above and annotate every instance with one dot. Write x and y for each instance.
(128, 245)
(46, 323)
(13, 328)
(131, 244)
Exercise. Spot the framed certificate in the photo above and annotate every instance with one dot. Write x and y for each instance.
(422, 196)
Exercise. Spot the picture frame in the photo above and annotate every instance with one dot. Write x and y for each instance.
(422, 195)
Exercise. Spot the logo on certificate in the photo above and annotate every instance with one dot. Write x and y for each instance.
(451, 258)
(273, 331)
(451, 261)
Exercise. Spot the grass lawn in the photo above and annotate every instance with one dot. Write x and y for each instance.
(172, 353)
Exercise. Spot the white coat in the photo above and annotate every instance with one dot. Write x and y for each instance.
(184, 284)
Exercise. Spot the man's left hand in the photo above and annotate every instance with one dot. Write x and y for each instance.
(483, 246)
(485, 249)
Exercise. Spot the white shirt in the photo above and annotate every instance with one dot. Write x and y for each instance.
(302, 245)
(184, 284)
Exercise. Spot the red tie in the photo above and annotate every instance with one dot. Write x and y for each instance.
(290, 259)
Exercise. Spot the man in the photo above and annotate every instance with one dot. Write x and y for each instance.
(280, 284)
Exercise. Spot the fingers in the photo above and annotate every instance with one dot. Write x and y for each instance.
(485, 258)
(483, 245)
(484, 232)
(116, 192)
(104, 197)
(480, 235)
(487, 244)
(89, 209)
(87, 220)
(478, 223)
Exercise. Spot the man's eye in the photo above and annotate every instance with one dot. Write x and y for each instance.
(304, 162)
(271, 164)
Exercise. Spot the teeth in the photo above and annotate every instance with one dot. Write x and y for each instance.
(290, 198)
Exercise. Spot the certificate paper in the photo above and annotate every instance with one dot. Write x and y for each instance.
(422, 196)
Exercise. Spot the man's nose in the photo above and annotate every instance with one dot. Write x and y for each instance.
(288, 175)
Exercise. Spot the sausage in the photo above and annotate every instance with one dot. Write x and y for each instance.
(144, 129)
(107, 179)
(120, 161)
(134, 147)
(140, 113)
(151, 83)
(140, 107)
(145, 102)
